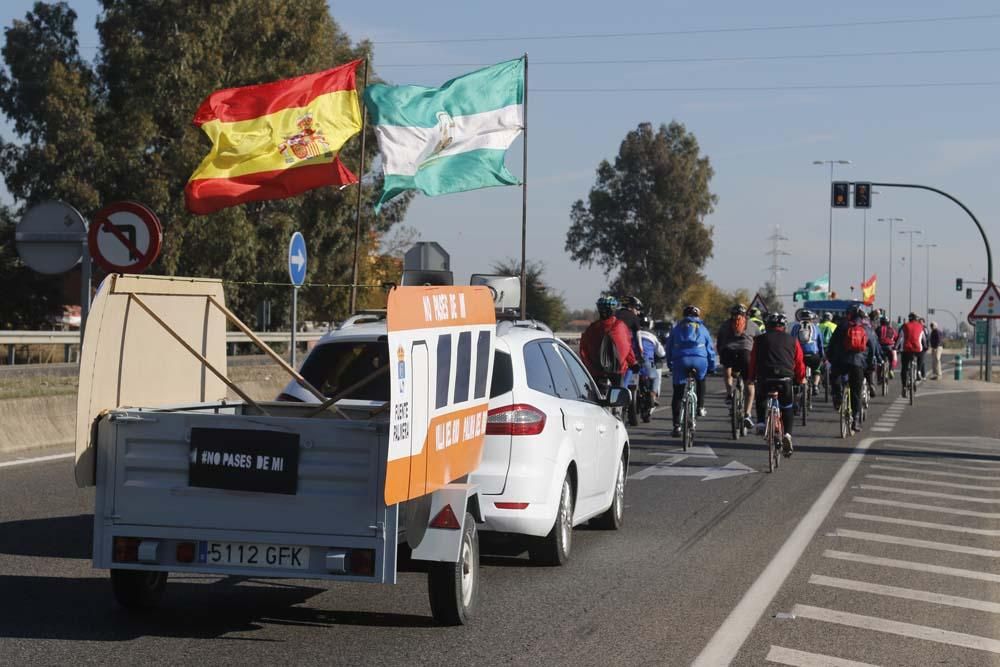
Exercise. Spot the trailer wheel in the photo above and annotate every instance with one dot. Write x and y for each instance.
(138, 590)
(454, 587)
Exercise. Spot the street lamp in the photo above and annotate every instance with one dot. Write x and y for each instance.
(911, 233)
(829, 251)
(928, 246)
(891, 222)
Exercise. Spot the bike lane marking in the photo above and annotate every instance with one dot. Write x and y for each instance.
(37, 459)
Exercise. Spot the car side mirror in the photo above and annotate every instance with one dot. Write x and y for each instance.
(618, 397)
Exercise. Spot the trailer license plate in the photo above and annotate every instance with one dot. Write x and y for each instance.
(253, 555)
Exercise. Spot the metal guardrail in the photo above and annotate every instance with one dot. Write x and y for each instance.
(73, 337)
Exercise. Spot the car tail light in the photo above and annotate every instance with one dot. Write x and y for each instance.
(511, 506)
(362, 562)
(125, 549)
(185, 552)
(517, 419)
(446, 519)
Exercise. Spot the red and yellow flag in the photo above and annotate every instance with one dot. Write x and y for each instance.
(868, 290)
(275, 140)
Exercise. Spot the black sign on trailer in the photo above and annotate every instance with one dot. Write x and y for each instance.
(244, 460)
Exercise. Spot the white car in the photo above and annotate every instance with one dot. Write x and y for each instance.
(554, 457)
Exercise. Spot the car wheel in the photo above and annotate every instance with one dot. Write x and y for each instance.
(554, 548)
(138, 590)
(615, 514)
(453, 588)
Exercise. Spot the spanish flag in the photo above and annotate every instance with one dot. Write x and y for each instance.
(275, 140)
(868, 290)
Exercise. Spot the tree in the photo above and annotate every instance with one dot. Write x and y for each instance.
(121, 128)
(712, 300)
(771, 299)
(542, 302)
(644, 218)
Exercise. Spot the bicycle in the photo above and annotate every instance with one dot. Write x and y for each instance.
(689, 410)
(644, 400)
(911, 378)
(737, 408)
(846, 416)
(825, 380)
(865, 398)
(883, 377)
(802, 401)
(774, 431)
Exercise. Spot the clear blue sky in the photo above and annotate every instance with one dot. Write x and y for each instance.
(761, 142)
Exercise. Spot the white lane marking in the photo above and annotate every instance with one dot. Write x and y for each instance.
(933, 482)
(926, 508)
(911, 542)
(881, 429)
(911, 565)
(37, 459)
(897, 628)
(727, 640)
(930, 494)
(905, 593)
(943, 451)
(790, 656)
(984, 465)
(922, 524)
(937, 473)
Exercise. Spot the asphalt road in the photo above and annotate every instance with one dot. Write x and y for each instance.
(833, 555)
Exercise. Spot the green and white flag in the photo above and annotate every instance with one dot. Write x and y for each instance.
(452, 138)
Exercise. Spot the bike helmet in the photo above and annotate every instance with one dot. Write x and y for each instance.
(912, 317)
(645, 322)
(806, 315)
(776, 321)
(883, 320)
(754, 312)
(854, 310)
(738, 309)
(606, 306)
(875, 314)
(631, 302)
(827, 316)
(692, 311)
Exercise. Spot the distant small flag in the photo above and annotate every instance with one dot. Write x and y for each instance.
(275, 140)
(868, 290)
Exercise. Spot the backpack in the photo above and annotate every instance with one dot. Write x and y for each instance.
(806, 333)
(887, 335)
(856, 339)
(609, 355)
(740, 325)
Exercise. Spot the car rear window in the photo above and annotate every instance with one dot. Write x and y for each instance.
(334, 367)
(503, 374)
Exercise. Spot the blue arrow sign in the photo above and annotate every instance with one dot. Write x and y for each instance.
(297, 259)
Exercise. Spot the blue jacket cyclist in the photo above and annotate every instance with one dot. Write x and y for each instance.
(689, 348)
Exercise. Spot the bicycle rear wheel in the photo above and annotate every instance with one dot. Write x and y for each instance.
(769, 437)
(690, 410)
(735, 409)
(912, 380)
(845, 413)
(804, 402)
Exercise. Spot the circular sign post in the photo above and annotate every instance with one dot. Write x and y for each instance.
(125, 237)
(297, 274)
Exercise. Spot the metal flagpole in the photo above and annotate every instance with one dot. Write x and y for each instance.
(357, 219)
(524, 198)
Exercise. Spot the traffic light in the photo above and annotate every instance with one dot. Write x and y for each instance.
(862, 195)
(958, 284)
(841, 195)
(968, 293)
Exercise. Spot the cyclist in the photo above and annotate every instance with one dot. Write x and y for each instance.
(874, 357)
(887, 336)
(911, 342)
(775, 363)
(689, 347)
(811, 339)
(734, 342)
(755, 317)
(851, 346)
(652, 350)
(606, 346)
(826, 328)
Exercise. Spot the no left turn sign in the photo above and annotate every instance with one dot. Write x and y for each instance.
(125, 237)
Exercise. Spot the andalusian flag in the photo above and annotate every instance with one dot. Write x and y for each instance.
(275, 140)
(452, 138)
(868, 290)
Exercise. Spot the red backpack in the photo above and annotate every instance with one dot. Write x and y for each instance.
(857, 338)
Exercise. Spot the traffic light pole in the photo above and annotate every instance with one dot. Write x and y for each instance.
(989, 259)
